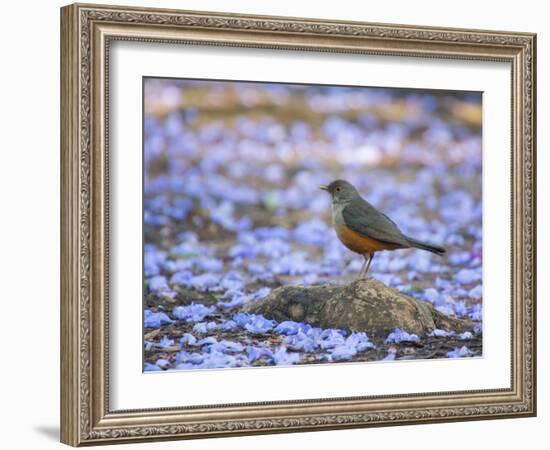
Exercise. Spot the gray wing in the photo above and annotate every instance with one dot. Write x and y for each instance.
(365, 219)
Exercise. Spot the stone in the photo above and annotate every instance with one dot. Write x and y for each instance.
(362, 305)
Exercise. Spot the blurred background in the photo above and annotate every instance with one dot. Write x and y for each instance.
(232, 206)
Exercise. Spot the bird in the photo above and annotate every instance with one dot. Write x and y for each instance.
(365, 230)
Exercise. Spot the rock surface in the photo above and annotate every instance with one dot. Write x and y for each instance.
(362, 305)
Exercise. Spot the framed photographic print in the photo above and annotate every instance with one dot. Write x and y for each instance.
(276, 225)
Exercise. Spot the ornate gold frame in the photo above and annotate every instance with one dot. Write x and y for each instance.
(86, 31)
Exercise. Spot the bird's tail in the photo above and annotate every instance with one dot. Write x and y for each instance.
(425, 246)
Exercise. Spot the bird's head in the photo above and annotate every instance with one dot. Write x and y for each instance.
(341, 191)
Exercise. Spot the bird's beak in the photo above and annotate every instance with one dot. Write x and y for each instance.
(323, 188)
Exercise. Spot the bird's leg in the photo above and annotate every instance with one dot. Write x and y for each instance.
(371, 256)
(362, 268)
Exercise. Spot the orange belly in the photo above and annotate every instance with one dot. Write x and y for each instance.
(361, 244)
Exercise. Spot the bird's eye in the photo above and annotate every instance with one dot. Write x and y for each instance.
(338, 189)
